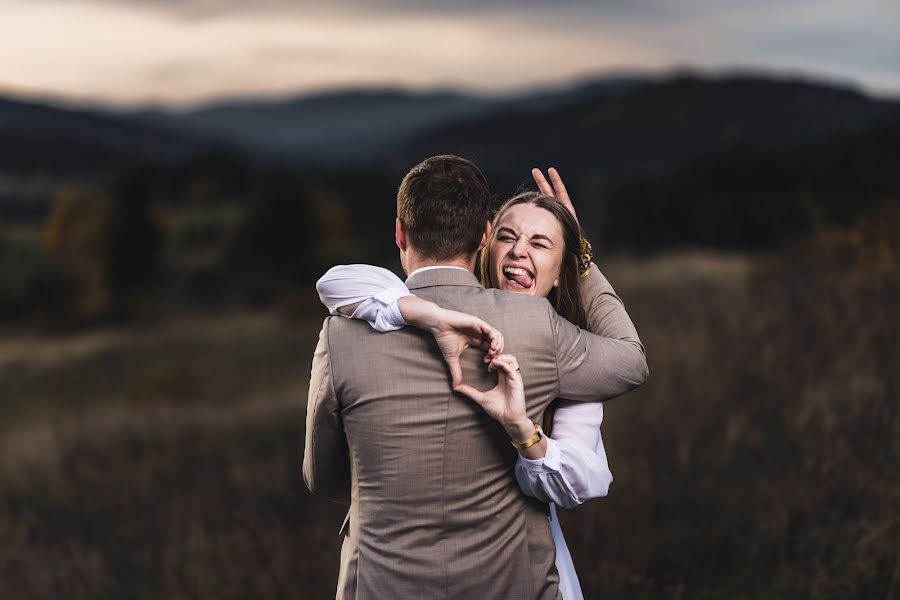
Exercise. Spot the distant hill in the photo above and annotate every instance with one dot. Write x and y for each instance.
(609, 127)
(608, 132)
(39, 138)
(334, 128)
(359, 125)
(746, 198)
(651, 128)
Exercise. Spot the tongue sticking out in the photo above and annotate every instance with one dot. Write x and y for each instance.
(523, 279)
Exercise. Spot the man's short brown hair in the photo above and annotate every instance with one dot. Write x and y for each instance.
(444, 203)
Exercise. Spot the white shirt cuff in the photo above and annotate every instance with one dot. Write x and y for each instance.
(548, 464)
(390, 295)
(381, 316)
(391, 314)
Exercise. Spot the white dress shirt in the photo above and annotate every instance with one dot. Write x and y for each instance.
(574, 468)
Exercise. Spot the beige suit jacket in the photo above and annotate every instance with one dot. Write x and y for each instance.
(435, 511)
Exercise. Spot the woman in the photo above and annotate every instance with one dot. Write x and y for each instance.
(535, 248)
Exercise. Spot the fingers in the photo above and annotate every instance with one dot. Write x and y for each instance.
(558, 187)
(501, 365)
(467, 390)
(455, 370)
(493, 340)
(496, 343)
(506, 363)
(555, 187)
(541, 182)
(489, 339)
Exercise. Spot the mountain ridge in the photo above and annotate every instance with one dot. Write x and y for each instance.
(616, 127)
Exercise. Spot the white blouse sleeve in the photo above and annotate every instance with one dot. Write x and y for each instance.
(374, 288)
(575, 467)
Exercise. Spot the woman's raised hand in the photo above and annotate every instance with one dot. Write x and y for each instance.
(557, 189)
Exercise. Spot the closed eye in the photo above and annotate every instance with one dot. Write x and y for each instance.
(506, 238)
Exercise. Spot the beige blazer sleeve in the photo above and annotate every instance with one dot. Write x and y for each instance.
(326, 461)
(606, 314)
(599, 367)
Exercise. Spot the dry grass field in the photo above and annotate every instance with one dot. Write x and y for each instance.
(761, 460)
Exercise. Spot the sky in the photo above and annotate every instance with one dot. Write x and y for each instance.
(183, 52)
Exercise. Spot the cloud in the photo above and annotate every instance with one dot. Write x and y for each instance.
(196, 9)
(187, 50)
(632, 11)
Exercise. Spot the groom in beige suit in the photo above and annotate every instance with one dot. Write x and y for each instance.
(435, 511)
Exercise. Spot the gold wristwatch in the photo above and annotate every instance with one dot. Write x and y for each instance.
(534, 439)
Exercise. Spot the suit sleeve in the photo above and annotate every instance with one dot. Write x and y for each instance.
(606, 314)
(326, 462)
(603, 364)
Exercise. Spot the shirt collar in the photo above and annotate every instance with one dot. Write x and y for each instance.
(441, 275)
(430, 267)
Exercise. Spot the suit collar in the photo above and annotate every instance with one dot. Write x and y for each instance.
(433, 277)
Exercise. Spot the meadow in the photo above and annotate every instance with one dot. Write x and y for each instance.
(162, 458)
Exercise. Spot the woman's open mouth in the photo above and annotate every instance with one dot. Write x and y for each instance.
(518, 277)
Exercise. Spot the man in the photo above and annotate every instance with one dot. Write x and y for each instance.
(435, 511)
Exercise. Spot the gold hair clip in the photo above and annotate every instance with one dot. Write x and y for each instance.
(584, 260)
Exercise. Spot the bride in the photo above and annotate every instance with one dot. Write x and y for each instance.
(535, 248)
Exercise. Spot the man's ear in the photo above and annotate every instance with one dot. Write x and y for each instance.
(400, 235)
(486, 237)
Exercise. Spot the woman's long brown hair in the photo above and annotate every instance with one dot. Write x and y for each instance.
(565, 298)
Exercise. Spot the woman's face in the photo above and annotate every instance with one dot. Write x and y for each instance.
(527, 251)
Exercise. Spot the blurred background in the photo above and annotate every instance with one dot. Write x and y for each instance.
(175, 176)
